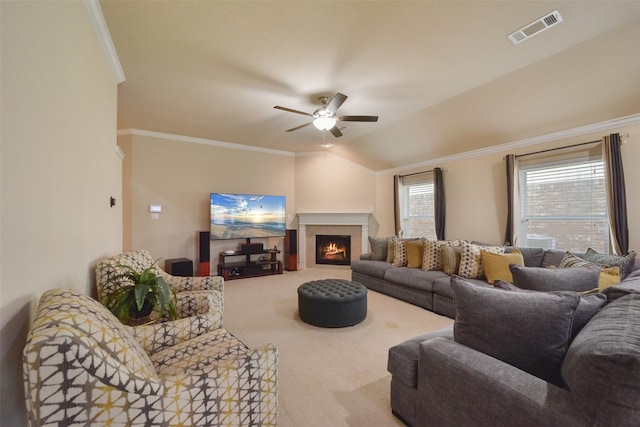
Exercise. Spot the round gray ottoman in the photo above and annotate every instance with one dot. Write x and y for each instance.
(332, 303)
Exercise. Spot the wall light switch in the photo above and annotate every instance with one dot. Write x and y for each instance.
(155, 208)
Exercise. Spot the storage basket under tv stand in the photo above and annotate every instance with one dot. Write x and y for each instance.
(230, 267)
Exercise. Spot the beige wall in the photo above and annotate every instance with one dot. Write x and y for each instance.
(179, 176)
(59, 169)
(476, 190)
(326, 183)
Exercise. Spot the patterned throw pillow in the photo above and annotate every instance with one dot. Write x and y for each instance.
(451, 259)
(625, 263)
(609, 276)
(433, 259)
(471, 259)
(399, 253)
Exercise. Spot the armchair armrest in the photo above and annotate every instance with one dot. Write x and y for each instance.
(246, 387)
(207, 283)
(460, 386)
(193, 303)
(157, 336)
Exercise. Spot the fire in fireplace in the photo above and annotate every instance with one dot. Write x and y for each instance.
(333, 250)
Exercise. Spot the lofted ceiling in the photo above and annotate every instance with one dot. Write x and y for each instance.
(441, 75)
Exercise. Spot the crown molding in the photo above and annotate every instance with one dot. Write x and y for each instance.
(104, 37)
(182, 138)
(555, 136)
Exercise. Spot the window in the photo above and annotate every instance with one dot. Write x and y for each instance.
(416, 205)
(564, 205)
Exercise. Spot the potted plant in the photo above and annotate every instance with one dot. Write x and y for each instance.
(139, 293)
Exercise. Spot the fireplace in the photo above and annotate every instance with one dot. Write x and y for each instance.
(333, 249)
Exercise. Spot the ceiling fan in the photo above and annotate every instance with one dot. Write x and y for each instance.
(325, 118)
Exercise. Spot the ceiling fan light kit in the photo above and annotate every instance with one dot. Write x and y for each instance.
(325, 123)
(325, 118)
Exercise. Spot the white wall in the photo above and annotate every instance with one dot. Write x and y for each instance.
(59, 169)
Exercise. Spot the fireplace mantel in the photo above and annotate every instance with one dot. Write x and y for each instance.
(305, 219)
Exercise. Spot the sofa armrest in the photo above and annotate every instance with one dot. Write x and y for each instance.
(158, 336)
(460, 386)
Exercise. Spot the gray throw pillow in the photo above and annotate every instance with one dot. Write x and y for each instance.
(528, 330)
(625, 263)
(378, 248)
(587, 308)
(577, 279)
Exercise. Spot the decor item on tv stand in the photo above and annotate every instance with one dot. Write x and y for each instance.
(262, 263)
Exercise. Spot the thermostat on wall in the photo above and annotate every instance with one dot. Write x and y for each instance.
(155, 208)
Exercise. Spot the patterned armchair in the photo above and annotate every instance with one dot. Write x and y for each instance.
(195, 295)
(83, 367)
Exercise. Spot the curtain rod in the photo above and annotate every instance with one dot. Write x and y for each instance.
(416, 173)
(558, 148)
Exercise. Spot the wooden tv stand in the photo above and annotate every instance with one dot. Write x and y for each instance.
(231, 266)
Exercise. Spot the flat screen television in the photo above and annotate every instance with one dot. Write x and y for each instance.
(246, 216)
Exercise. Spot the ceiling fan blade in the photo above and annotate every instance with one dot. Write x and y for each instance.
(290, 110)
(298, 127)
(358, 118)
(335, 132)
(335, 102)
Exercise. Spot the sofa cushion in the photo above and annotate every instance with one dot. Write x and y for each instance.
(529, 330)
(378, 248)
(443, 287)
(555, 279)
(587, 308)
(496, 266)
(602, 366)
(625, 263)
(413, 277)
(532, 256)
(471, 261)
(631, 285)
(371, 268)
(403, 358)
(552, 258)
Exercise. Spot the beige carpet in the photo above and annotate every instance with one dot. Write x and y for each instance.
(327, 377)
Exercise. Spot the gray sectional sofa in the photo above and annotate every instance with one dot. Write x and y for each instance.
(437, 380)
(516, 356)
(432, 289)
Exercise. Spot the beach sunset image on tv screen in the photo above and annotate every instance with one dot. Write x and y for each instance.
(245, 216)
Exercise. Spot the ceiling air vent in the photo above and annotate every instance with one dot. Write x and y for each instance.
(535, 27)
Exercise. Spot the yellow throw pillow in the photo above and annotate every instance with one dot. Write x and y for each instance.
(415, 252)
(496, 266)
(608, 277)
